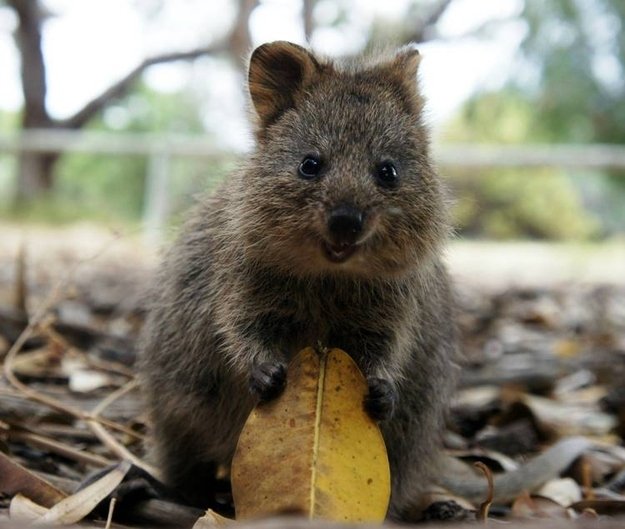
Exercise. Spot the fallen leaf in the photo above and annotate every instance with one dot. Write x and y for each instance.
(526, 506)
(436, 494)
(607, 507)
(39, 364)
(15, 479)
(85, 380)
(314, 451)
(603, 464)
(567, 348)
(563, 491)
(210, 520)
(570, 419)
(508, 485)
(523, 506)
(21, 509)
(75, 507)
(4, 346)
(494, 460)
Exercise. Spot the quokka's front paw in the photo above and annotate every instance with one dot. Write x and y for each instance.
(267, 380)
(381, 400)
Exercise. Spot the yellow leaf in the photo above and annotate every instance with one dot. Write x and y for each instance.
(211, 520)
(567, 348)
(314, 451)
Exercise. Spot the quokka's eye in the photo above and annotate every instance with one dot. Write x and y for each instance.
(386, 175)
(310, 167)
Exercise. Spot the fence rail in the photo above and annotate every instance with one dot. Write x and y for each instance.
(452, 155)
(160, 149)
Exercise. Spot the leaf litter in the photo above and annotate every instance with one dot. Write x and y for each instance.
(540, 365)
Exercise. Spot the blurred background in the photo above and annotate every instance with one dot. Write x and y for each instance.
(115, 114)
(118, 112)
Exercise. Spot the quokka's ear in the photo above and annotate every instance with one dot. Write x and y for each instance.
(406, 62)
(403, 68)
(278, 72)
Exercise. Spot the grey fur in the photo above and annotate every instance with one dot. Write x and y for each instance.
(247, 281)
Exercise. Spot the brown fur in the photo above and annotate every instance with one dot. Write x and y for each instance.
(247, 281)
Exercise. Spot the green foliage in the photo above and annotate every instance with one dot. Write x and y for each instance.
(103, 185)
(504, 117)
(578, 51)
(112, 187)
(543, 204)
(8, 123)
(568, 87)
(540, 204)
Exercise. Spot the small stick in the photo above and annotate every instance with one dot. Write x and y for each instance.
(108, 440)
(59, 430)
(20, 280)
(589, 493)
(109, 516)
(62, 449)
(51, 402)
(485, 505)
(33, 323)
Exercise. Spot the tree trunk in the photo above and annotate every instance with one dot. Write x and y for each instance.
(34, 171)
(34, 176)
(308, 7)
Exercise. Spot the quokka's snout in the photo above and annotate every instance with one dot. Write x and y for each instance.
(345, 224)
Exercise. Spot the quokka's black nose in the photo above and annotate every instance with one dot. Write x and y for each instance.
(345, 224)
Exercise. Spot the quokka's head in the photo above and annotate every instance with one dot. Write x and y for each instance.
(341, 181)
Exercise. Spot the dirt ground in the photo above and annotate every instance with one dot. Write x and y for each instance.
(542, 329)
(486, 264)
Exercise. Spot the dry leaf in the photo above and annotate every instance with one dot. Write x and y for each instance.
(509, 485)
(523, 506)
(21, 509)
(75, 507)
(569, 419)
(496, 461)
(436, 494)
(313, 451)
(87, 380)
(15, 479)
(37, 364)
(538, 507)
(607, 507)
(4, 346)
(210, 520)
(563, 491)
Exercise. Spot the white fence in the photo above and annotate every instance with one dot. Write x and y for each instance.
(160, 149)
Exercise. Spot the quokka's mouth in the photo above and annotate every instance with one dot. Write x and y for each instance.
(339, 253)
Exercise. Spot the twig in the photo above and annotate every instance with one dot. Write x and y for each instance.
(120, 87)
(108, 440)
(116, 368)
(589, 493)
(111, 367)
(20, 280)
(485, 505)
(34, 322)
(57, 447)
(46, 400)
(55, 430)
(109, 516)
